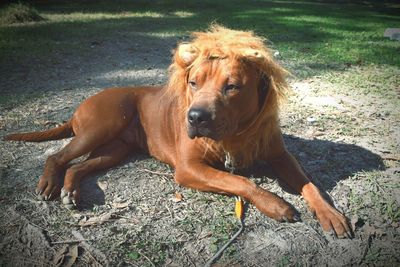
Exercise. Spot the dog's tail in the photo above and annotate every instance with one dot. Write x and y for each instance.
(60, 132)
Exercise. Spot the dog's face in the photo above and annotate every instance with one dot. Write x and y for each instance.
(225, 97)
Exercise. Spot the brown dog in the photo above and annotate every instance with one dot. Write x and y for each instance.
(221, 102)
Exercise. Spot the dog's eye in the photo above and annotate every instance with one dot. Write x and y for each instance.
(230, 88)
(193, 85)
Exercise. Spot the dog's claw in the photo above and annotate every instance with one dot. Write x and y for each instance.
(296, 218)
(63, 193)
(68, 198)
(333, 233)
(347, 234)
(350, 235)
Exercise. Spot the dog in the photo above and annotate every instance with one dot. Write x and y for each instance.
(221, 102)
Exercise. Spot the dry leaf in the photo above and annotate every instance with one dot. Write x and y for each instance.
(66, 256)
(95, 220)
(120, 205)
(103, 185)
(178, 197)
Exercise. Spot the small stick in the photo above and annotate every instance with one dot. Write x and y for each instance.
(158, 173)
(390, 157)
(144, 256)
(70, 241)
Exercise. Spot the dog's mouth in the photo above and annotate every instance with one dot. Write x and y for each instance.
(195, 131)
(203, 131)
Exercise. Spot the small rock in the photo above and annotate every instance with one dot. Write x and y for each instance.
(392, 33)
(311, 119)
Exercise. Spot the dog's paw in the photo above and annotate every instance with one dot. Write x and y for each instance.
(48, 188)
(334, 222)
(288, 214)
(295, 217)
(277, 208)
(69, 199)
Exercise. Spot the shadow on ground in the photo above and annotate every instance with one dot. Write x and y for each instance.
(325, 162)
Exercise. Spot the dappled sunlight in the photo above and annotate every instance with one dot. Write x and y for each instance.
(83, 16)
(79, 16)
(183, 14)
(133, 77)
(164, 34)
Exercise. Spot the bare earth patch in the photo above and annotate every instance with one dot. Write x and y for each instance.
(347, 140)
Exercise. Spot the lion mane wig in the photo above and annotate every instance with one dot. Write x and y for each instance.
(217, 43)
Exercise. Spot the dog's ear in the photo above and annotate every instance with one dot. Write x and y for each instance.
(186, 54)
(253, 55)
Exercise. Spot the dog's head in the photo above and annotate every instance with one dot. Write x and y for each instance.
(229, 83)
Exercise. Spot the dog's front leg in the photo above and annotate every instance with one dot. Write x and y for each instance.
(206, 178)
(289, 170)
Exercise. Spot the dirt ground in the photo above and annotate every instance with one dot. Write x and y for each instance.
(134, 214)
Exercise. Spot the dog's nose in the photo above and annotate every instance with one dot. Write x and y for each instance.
(198, 116)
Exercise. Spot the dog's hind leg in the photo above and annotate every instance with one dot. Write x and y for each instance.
(50, 182)
(103, 157)
(98, 120)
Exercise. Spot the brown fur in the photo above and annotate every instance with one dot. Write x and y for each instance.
(221, 42)
(223, 74)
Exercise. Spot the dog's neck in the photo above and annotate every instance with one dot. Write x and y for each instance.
(235, 155)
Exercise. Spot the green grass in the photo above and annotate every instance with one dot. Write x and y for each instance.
(378, 197)
(374, 79)
(19, 13)
(317, 36)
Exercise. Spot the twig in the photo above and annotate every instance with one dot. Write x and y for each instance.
(366, 249)
(218, 254)
(89, 249)
(144, 256)
(70, 241)
(189, 259)
(158, 173)
(170, 213)
(391, 157)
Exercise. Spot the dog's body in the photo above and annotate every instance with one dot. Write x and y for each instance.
(221, 101)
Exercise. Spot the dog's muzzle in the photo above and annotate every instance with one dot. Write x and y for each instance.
(199, 122)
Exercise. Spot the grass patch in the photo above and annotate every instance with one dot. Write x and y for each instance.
(373, 79)
(376, 197)
(313, 36)
(19, 13)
